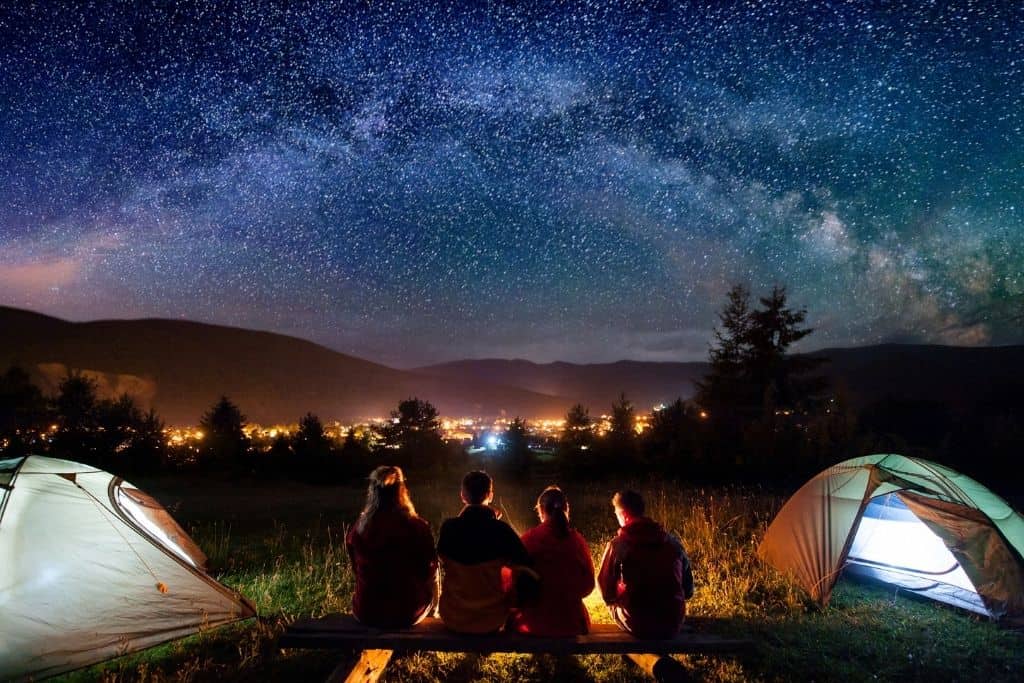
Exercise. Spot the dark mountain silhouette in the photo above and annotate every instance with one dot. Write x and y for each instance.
(595, 385)
(957, 376)
(181, 368)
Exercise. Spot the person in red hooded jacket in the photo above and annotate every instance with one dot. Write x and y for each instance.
(562, 559)
(392, 553)
(645, 576)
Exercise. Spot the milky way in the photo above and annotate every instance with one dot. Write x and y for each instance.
(575, 181)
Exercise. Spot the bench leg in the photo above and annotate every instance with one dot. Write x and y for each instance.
(661, 668)
(368, 669)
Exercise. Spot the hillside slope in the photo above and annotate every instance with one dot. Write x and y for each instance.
(181, 368)
(957, 376)
(595, 385)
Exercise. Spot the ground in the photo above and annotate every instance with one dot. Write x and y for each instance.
(281, 544)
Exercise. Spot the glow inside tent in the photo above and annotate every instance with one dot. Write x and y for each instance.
(93, 568)
(907, 522)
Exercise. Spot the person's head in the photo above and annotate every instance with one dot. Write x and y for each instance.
(387, 491)
(553, 506)
(477, 488)
(628, 505)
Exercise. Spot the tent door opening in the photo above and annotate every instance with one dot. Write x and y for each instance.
(893, 546)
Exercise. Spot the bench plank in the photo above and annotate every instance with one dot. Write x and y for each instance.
(368, 669)
(342, 631)
(661, 668)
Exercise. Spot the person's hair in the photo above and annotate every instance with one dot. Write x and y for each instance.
(476, 486)
(555, 506)
(630, 501)
(387, 491)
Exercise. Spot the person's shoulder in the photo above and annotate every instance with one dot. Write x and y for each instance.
(419, 523)
(449, 524)
(614, 543)
(503, 528)
(676, 542)
(576, 536)
(448, 533)
(651, 523)
(495, 522)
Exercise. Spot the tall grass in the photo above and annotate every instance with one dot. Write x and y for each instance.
(300, 567)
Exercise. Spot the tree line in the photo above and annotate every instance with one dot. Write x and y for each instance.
(761, 413)
(118, 436)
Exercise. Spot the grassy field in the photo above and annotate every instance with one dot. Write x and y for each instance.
(283, 547)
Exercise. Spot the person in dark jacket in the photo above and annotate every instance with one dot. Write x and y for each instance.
(392, 553)
(562, 559)
(474, 549)
(645, 576)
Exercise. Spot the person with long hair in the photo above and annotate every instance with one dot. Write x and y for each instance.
(392, 553)
(562, 559)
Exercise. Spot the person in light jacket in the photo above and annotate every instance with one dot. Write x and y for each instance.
(479, 553)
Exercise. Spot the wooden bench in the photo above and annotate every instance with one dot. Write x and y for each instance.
(337, 631)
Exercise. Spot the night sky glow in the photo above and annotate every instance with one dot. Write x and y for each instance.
(578, 181)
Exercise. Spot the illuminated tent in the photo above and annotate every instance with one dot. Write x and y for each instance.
(92, 568)
(907, 522)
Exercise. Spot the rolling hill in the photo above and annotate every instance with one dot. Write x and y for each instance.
(957, 376)
(180, 368)
(594, 385)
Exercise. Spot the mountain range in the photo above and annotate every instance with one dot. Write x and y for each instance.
(180, 368)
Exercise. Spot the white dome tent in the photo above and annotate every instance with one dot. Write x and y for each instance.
(93, 568)
(907, 522)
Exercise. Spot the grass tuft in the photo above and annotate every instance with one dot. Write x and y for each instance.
(286, 552)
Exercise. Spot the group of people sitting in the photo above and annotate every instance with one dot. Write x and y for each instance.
(493, 579)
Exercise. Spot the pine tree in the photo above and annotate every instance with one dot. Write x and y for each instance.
(672, 435)
(311, 443)
(752, 374)
(415, 430)
(223, 427)
(575, 444)
(76, 402)
(76, 407)
(773, 329)
(22, 413)
(623, 427)
(517, 449)
(724, 392)
(577, 433)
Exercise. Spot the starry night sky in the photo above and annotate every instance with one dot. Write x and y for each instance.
(574, 181)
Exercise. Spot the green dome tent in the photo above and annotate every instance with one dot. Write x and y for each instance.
(907, 522)
(93, 568)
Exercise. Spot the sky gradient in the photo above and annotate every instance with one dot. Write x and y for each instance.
(576, 181)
